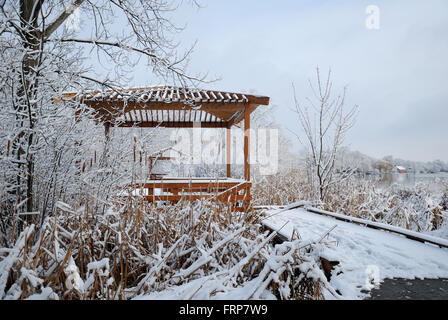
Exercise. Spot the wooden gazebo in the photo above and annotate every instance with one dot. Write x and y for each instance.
(175, 107)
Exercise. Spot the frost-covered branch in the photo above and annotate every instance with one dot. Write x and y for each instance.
(324, 131)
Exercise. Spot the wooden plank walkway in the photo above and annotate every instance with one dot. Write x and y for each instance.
(417, 236)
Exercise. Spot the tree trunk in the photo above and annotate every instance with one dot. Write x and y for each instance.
(26, 91)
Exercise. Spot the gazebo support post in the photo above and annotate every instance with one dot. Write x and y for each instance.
(247, 154)
(247, 143)
(228, 150)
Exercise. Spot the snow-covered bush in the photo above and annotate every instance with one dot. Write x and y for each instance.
(138, 250)
(415, 208)
(283, 188)
(444, 199)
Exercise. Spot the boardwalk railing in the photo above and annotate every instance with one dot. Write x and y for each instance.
(233, 191)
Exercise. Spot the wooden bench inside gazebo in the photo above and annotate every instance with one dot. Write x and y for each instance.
(177, 107)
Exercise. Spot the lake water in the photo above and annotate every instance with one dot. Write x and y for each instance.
(435, 181)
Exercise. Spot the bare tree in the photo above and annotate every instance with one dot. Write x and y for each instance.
(325, 123)
(40, 58)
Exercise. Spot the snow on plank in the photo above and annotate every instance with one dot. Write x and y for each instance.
(360, 249)
(418, 236)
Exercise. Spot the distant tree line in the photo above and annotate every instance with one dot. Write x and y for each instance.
(348, 159)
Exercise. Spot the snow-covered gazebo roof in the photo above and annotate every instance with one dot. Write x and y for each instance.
(168, 106)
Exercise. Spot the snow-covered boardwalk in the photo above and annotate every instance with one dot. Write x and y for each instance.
(364, 254)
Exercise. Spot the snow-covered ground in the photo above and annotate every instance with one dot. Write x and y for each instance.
(365, 255)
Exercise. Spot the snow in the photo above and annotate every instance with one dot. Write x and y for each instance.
(199, 289)
(225, 283)
(73, 280)
(7, 263)
(47, 294)
(410, 233)
(360, 250)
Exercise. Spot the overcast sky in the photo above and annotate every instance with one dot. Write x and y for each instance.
(397, 74)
